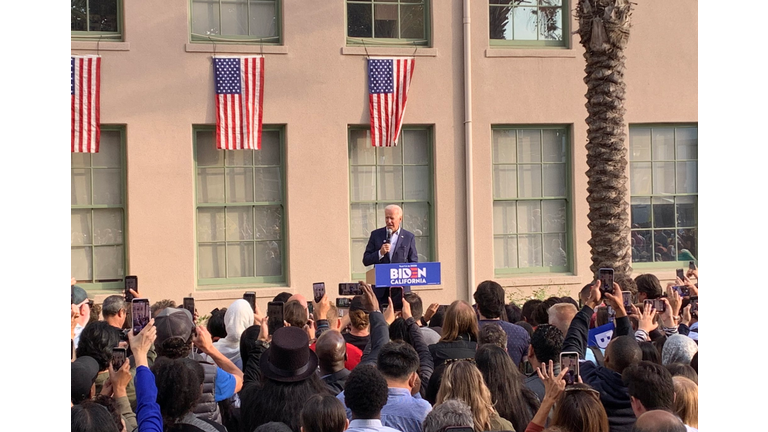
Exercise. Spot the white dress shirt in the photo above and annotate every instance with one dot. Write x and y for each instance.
(393, 244)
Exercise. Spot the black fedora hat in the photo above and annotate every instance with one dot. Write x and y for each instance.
(288, 358)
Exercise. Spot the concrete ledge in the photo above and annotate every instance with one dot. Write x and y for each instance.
(529, 53)
(235, 49)
(389, 51)
(100, 46)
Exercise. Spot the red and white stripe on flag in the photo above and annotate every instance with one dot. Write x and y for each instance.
(239, 86)
(84, 86)
(388, 82)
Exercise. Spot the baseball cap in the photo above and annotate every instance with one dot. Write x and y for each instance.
(78, 295)
(83, 371)
(172, 322)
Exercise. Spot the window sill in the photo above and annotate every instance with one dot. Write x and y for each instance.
(542, 279)
(389, 51)
(530, 53)
(235, 49)
(100, 46)
(234, 293)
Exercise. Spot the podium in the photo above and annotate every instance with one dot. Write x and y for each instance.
(404, 274)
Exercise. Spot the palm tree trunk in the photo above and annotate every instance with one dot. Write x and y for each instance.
(604, 31)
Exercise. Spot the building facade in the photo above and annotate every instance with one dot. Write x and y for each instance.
(160, 202)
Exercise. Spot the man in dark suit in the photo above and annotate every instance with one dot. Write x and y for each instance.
(391, 244)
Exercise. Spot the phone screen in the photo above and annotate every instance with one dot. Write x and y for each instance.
(318, 289)
(680, 274)
(140, 313)
(691, 265)
(250, 297)
(381, 294)
(682, 290)
(131, 283)
(118, 357)
(627, 297)
(311, 309)
(275, 316)
(189, 304)
(695, 307)
(611, 313)
(571, 361)
(343, 302)
(350, 289)
(397, 297)
(659, 305)
(606, 280)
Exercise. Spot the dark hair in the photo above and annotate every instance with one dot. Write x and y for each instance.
(513, 312)
(511, 398)
(579, 410)
(295, 314)
(282, 297)
(492, 333)
(216, 326)
(528, 309)
(109, 403)
(323, 414)
(460, 319)
(650, 285)
(695, 362)
(365, 392)
(273, 427)
(541, 313)
(622, 352)
(489, 298)
(90, 416)
(650, 353)
(526, 326)
(160, 305)
(179, 384)
(651, 384)
(174, 348)
(569, 300)
(683, 370)
(248, 342)
(601, 316)
(112, 305)
(397, 360)
(417, 307)
(438, 318)
(275, 401)
(627, 284)
(97, 340)
(547, 342)
(398, 330)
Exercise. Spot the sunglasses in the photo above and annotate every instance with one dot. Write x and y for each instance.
(449, 361)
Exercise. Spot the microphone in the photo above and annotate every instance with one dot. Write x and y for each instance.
(389, 235)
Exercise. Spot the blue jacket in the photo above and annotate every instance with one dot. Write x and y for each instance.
(405, 249)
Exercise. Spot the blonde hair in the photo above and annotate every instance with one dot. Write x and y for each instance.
(462, 380)
(687, 401)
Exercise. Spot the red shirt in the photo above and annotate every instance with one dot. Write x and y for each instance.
(354, 355)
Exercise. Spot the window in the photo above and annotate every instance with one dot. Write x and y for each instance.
(379, 176)
(528, 22)
(236, 21)
(530, 200)
(240, 211)
(97, 20)
(98, 213)
(664, 192)
(387, 22)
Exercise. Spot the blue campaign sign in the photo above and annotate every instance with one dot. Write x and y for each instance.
(411, 274)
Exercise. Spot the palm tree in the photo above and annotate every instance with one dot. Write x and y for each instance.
(604, 31)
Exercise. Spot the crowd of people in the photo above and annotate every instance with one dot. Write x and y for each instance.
(486, 366)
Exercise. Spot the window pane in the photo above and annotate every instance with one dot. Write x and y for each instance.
(687, 140)
(416, 182)
(269, 259)
(269, 222)
(263, 20)
(554, 216)
(663, 144)
(687, 244)
(360, 150)
(239, 157)
(641, 212)
(664, 245)
(390, 183)
(639, 144)
(551, 23)
(268, 185)
(550, 2)
(357, 250)
(240, 260)
(81, 160)
(504, 181)
(504, 146)
(389, 155)
(103, 15)
(363, 220)
(525, 23)
(239, 223)
(210, 224)
(210, 185)
(554, 250)
(528, 216)
(687, 177)
(505, 252)
(109, 150)
(82, 266)
(500, 23)
(207, 154)
(640, 178)
(234, 17)
(270, 149)
(359, 20)
(79, 15)
(385, 25)
(554, 145)
(642, 246)
(239, 185)
(412, 22)
(423, 249)
(553, 180)
(363, 183)
(529, 146)
(663, 212)
(109, 263)
(663, 177)
(529, 177)
(210, 261)
(107, 227)
(686, 211)
(416, 218)
(107, 186)
(81, 227)
(530, 250)
(415, 147)
(205, 17)
(81, 187)
(504, 217)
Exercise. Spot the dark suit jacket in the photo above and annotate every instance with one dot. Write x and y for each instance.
(405, 249)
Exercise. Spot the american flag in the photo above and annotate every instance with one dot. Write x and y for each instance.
(388, 83)
(84, 86)
(239, 102)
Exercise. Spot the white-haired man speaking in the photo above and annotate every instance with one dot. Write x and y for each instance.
(391, 244)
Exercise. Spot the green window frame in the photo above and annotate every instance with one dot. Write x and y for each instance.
(518, 23)
(663, 194)
(98, 228)
(240, 215)
(531, 199)
(408, 23)
(97, 20)
(379, 176)
(236, 21)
